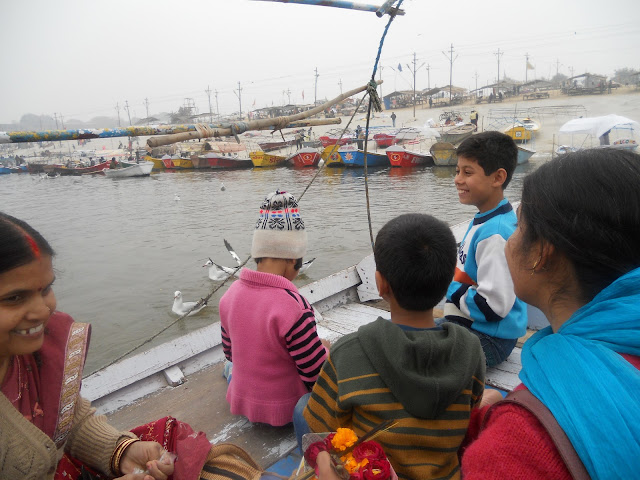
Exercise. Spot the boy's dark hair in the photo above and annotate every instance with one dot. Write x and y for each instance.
(492, 150)
(416, 253)
(587, 205)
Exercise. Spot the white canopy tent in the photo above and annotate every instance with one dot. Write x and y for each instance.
(598, 126)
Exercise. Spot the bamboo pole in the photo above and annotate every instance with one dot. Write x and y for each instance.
(276, 123)
(379, 10)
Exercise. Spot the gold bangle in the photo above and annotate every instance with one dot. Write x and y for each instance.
(118, 453)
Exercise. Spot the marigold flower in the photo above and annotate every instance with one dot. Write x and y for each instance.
(343, 439)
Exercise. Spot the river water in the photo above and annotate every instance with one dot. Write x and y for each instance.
(124, 246)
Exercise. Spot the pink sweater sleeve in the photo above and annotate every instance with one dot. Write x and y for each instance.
(304, 345)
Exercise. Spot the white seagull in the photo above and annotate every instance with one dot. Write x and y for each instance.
(176, 197)
(222, 187)
(218, 272)
(180, 307)
(305, 266)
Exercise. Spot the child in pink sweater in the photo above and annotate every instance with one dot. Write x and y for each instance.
(268, 328)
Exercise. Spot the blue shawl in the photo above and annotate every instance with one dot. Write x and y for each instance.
(593, 392)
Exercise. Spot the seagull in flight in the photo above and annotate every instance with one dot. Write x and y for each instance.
(305, 266)
(180, 307)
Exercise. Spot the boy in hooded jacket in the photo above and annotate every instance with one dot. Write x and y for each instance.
(425, 377)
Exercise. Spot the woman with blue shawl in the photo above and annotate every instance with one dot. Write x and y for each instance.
(576, 256)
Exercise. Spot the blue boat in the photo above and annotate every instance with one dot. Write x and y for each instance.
(4, 169)
(352, 157)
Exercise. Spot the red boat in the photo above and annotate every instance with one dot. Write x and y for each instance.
(305, 157)
(327, 141)
(401, 157)
(62, 170)
(216, 160)
(168, 162)
(384, 140)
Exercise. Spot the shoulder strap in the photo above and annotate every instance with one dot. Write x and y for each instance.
(528, 401)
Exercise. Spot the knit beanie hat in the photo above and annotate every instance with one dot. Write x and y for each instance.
(280, 230)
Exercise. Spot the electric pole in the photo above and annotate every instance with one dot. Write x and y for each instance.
(526, 68)
(414, 71)
(557, 66)
(55, 116)
(498, 54)
(217, 109)
(146, 105)
(126, 107)
(476, 76)
(428, 77)
(340, 83)
(315, 90)
(239, 95)
(118, 110)
(451, 60)
(62, 122)
(208, 92)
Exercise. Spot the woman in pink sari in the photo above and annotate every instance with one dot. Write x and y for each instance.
(42, 353)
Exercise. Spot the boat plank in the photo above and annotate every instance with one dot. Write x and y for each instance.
(201, 402)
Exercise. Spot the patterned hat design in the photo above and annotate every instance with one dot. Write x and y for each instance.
(279, 231)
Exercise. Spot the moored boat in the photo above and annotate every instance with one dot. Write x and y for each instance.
(518, 132)
(63, 170)
(524, 154)
(35, 167)
(354, 157)
(142, 169)
(384, 140)
(182, 163)
(167, 161)
(264, 159)
(444, 153)
(305, 157)
(530, 124)
(4, 170)
(458, 134)
(158, 164)
(401, 157)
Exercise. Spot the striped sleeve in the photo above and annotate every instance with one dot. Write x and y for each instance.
(323, 413)
(226, 343)
(304, 345)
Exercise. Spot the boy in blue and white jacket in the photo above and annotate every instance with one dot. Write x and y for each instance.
(481, 296)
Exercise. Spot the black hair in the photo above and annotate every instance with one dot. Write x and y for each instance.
(587, 205)
(297, 265)
(416, 253)
(492, 150)
(20, 243)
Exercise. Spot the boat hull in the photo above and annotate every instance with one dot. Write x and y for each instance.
(142, 169)
(524, 154)
(458, 134)
(328, 141)
(384, 140)
(82, 170)
(157, 162)
(519, 133)
(305, 157)
(444, 154)
(355, 158)
(400, 157)
(263, 159)
(182, 164)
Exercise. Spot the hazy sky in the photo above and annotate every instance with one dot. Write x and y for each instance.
(80, 58)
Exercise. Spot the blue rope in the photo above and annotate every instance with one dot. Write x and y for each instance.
(386, 29)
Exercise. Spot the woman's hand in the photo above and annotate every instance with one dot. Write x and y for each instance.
(146, 457)
(326, 470)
